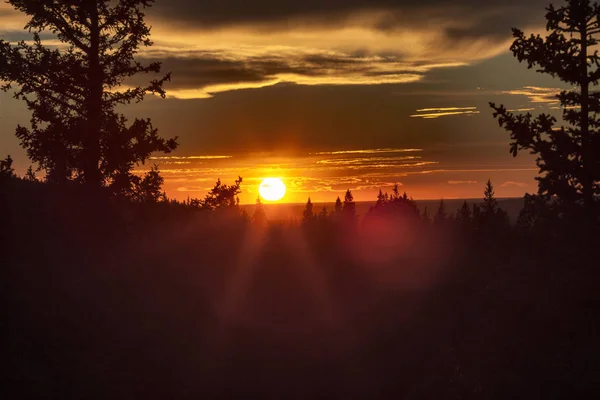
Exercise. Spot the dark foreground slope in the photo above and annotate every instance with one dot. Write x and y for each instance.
(106, 300)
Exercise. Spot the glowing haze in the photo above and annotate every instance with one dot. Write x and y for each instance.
(332, 95)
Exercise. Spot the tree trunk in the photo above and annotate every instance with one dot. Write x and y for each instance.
(91, 149)
(587, 160)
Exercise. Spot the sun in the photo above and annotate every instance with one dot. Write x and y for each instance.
(272, 189)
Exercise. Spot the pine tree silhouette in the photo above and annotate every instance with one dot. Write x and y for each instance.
(30, 175)
(148, 188)
(308, 214)
(259, 217)
(566, 156)
(73, 90)
(463, 216)
(338, 206)
(489, 217)
(324, 214)
(440, 218)
(349, 207)
(222, 196)
(490, 204)
(6, 168)
(425, 217)
(382, 199)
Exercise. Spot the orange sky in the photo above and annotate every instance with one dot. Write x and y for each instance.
(295, 90)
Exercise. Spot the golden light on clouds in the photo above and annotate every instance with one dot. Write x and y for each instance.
(536, 94)
(433, 113)
(367, 151)
(326, 175)
(355, 50)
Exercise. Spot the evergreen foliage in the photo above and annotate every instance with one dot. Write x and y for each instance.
(308, 214)
(259, 217)
(440, 218)
(338, 206)
(221, 196)
(463, 216)
(30, 175)
(349, 206)
(425, 217)
(73, 90)
(6, 168)
(566, 155)
(147, 189)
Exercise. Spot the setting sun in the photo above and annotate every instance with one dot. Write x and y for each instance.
(272, 189)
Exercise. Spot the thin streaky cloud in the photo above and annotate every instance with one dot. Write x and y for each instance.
(367, 151)
(521, 109)
(536, 94)
(443, 114)
(216, 157)
(452, 182)
(442, 109)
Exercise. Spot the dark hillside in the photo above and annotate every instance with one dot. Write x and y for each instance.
(112, 300)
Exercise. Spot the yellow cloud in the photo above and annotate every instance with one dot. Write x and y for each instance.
(459, 111)
(536, 94)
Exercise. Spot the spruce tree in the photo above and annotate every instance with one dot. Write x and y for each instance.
(490, 204)
(426, 218)
(30, 175)
(6, 168)
(463, 216)
(259, 217)
(567, 156)
(324, 214)
(74, 90)
(349, 206)
(489, 216)
(338, 206)
(221, 196)
(308, 214)
(382, 199)
(147, 189)
(440, 216)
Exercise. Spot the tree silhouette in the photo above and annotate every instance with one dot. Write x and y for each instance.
(476, 215)
(308, 214)
(395, 205)
(338, 206)
(73, 90)
(349, 207)
(222, 196)
(148, 188)
(382, 199)
(567, 156)
(463, 216)
(30, 175)
(259, 217)
(324, 214)
(425, 217)
(440, 217)
(396, 194)
(489, 217)
(6, 169)
(537, 214)
(490, 204)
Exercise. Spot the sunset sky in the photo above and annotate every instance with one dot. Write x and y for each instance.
(332, 95)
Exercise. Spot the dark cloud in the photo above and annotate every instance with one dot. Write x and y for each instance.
(398, 13)
(202, 69)
(234, 11)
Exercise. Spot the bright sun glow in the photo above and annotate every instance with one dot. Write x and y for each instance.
(272, 189)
